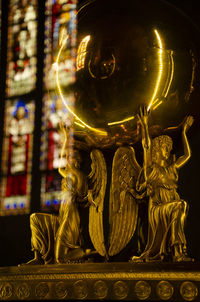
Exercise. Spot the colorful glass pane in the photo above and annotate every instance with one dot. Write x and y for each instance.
(22, 47)
(60, 23)
(51, 192)
(17, 157)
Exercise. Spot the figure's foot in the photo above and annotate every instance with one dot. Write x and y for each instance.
(180, 254)
(76, 256)
(89, 252)
(145, 258)
(34, 261)
(137, 259)
(78, 261)
(182, 258)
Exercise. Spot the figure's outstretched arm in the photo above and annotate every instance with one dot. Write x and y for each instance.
(65, 130)
(146, 141)
(187, 151)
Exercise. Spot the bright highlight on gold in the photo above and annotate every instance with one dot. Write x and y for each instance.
(172, 73)
(122, 121)
(100, 132)
(80, 125)
(155, 101)
(81, 53)
(80, 62)
(160, 70)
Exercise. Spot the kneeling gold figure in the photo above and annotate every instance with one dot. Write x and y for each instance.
(166, 211)
(56, 239)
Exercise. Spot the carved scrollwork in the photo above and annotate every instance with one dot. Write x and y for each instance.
(41, 290)
(188, 291)
(100, 289)
(61, 290)
(23, 291)
(80, 289)
(164, 290)
(6, 290)
(142, 290)
(120, 289)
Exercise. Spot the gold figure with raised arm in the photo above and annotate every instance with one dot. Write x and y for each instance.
(166, 210)
(57, 239)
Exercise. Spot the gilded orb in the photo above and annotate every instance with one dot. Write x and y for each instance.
(133, 54)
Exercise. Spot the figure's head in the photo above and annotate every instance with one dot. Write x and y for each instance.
(20, 113)
(21, 110)
(74, 158)
(58, 104)
(161, 148)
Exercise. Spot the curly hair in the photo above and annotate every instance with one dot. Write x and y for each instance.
(157, 144)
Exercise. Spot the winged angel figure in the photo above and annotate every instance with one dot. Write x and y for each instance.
(96, 194)
(123, 201)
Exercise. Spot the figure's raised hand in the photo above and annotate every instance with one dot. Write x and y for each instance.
(143, 116)
(62, 126)
(64, 129)
(188, 123)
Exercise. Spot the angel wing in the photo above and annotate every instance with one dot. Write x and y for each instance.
(123, 207)
(97, 181)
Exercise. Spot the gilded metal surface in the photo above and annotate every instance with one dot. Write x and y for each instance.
(96, 194)
(194, 276)
(123, 211)
(134, 283)
(188, 290)
(142, 290)
(167, 212)
(164, 290)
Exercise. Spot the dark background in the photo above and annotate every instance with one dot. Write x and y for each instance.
(15, 236)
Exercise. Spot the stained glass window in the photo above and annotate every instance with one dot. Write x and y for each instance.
(51, 150)
(17, 157)
(60, 32)
(52, 153)
(17, 153)
(22, 46)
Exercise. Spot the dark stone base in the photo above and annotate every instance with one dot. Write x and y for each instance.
(109, 281)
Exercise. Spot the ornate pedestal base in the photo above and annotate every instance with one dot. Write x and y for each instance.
(111, 281)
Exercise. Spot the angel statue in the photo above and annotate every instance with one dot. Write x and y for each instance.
(166, 211)
(57, 239)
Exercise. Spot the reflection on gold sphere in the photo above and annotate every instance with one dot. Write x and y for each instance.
(134, 54)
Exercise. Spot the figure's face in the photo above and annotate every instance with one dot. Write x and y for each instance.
(75, 159)
(20, 113)
(58, 104)
(165, 151)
